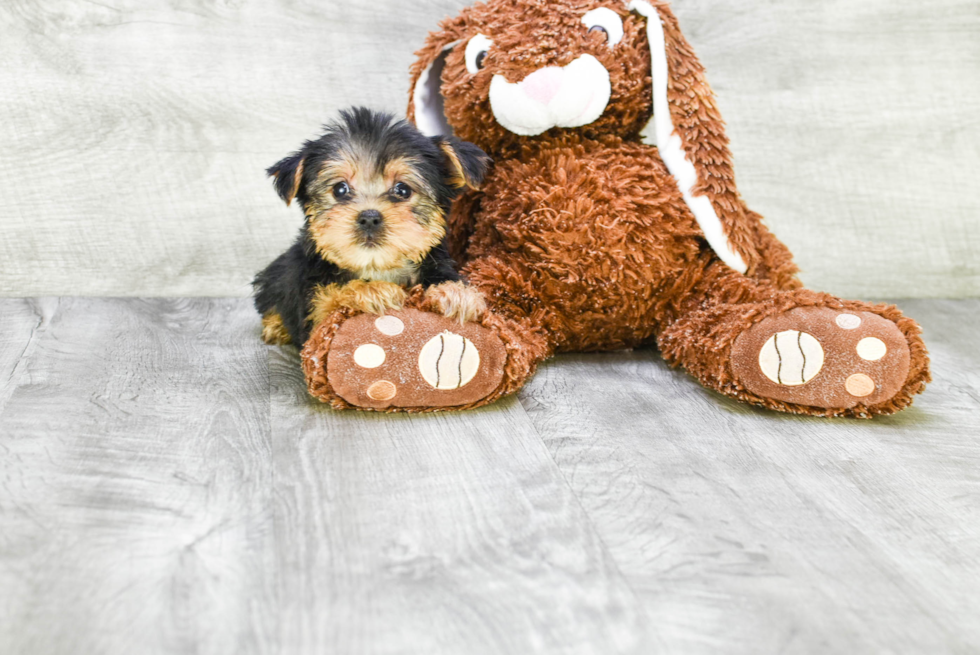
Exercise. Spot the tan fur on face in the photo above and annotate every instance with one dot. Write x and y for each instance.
(458, 179)
(361, 296)
(403, 170)
(274, 330)
(412, 227)
(457, 300)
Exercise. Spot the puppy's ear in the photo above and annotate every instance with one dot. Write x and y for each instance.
(288, 176)
(466, 163)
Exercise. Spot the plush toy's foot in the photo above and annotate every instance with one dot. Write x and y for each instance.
(408, 360)
(820, 357)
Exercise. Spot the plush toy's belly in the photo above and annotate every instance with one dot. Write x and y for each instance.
(596, 232)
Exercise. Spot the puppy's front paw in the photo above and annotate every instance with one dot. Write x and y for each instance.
(361, 296)
(274, 330)
(372, 297)
(457, 300)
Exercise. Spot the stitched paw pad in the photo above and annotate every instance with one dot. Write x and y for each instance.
(821, 357)
(414, 359)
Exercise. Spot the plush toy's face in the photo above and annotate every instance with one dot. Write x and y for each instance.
(517, 69)
(509, 73)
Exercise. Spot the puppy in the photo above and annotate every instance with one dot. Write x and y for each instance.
(376, 194)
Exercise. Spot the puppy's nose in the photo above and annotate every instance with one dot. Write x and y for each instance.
(369, 221)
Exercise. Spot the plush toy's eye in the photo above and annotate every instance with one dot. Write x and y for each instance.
(476, 53)
(402, 191)
(605, 20)
(341, 190)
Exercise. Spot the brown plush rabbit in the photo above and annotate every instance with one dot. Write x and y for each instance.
(586, 237)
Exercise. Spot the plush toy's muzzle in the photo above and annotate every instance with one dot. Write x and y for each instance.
(571, 96)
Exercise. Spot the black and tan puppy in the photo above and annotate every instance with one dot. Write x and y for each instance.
(376, 193)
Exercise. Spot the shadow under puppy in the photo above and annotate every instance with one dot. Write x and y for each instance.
(376, 194)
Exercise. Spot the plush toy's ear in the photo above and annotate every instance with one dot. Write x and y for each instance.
(426, 107)
(690, 135)
(466, 163)
(288, 175)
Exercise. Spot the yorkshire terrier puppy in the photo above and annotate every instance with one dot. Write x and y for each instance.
(376, 194)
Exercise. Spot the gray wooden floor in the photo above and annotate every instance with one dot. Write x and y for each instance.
(167, 487)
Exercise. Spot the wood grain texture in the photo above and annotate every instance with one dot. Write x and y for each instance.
(451, 533)
(167, 487)
(745, 531)
(135, 484)
(153, 499)
(21, 322)
(134, 135)
(854, 135)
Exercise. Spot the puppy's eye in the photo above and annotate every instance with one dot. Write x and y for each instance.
(605, 20)
(341, 190)
(402, 191)
(476, 53)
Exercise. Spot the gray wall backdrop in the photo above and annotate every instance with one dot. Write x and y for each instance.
(134, 133)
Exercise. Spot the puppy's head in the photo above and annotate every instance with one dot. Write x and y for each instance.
(375, 191)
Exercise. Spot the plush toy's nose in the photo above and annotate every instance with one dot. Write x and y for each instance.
(543, 85)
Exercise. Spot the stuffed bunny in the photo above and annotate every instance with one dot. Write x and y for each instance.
(610, 219)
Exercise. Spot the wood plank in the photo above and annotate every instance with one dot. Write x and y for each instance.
(158, 122)
(450, 533)
(134, 490)
(22, 321)
(848, 123)
(134, 135)
(745, 531)
(148, 504)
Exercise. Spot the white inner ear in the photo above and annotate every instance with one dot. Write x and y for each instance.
(648, 134)
(430, 110)
(671, 148)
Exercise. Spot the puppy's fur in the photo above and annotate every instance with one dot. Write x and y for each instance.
(376, 193)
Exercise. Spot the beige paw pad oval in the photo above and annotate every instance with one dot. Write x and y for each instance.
(871, 349)
(791, 358)
(449, 361)
(848, 321)
(389, 326)
(382, 390)
(369, 356)
(860, 385)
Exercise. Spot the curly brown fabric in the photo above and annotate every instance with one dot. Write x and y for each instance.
(582, 241)
(524, 348)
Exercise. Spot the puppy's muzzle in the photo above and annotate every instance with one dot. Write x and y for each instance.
(369, 224)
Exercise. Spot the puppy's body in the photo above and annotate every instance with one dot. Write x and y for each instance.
(376, 194)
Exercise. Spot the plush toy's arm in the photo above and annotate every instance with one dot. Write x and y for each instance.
(775, 259)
